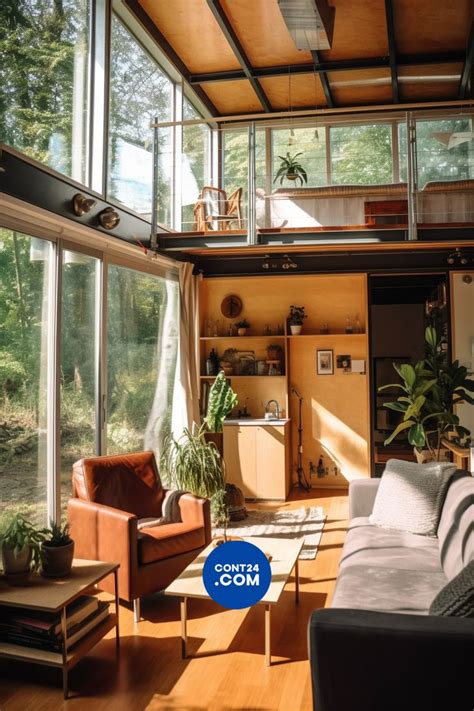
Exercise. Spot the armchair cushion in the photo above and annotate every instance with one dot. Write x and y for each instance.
(129, 482)
(168, 540)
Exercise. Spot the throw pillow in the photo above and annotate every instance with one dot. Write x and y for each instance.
(170, 510)
(410, 496)
(456, 599)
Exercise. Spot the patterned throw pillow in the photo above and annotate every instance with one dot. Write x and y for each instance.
(410, 496)
(456, 599)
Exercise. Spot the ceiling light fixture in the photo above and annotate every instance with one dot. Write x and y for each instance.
(81, 204)
(284, 262)
(457, 258)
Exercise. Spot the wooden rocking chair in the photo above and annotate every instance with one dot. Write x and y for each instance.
(214, 211)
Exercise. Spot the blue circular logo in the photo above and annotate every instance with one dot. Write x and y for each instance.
(237, 574)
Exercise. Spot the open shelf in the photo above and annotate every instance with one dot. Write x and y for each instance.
(242, 338)
(273, 377)
(329, 335)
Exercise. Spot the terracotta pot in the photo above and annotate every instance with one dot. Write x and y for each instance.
(217, 438)
(57, 560)
(296, 328)
(16, 564)
(241, 331)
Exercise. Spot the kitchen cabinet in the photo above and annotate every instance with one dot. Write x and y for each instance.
(257, 458)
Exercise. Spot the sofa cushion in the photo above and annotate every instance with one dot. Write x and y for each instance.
(410, 496)
(456, 599)
(456, 525)
(367, 587)
(367, 544)
(160, 542)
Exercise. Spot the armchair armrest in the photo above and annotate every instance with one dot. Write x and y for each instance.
(104, 533)
(374, 660)
(198, 511)
(362, 493)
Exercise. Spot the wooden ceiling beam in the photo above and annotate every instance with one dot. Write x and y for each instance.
(345, 65)
(323, 79)
(392, 50)
(231, 37)
(466, 77)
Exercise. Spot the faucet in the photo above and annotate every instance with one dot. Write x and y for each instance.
(277, 408)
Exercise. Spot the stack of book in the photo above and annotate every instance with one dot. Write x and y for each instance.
(42, 630)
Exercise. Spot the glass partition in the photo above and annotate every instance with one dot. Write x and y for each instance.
(195, 165)
(25, 372)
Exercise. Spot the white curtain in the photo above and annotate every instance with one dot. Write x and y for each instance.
(186, 387)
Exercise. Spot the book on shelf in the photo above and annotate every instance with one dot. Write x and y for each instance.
(49, 623)
(53, 643)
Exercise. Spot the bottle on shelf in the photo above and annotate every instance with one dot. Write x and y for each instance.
(358, 327)
(212, 363)
(349, 328)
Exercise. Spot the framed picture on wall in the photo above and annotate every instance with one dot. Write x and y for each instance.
(325, 363)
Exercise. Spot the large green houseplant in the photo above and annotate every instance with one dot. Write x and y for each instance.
(190, 463)
(430, 390)
(221, 402)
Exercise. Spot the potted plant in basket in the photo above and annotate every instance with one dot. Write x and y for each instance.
(296, 319)
(20, 548)
(430, 390)
(242, 327)
(57, 551)
(291, 169)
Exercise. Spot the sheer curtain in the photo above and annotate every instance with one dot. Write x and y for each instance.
(186, 387)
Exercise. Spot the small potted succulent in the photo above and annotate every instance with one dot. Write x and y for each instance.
(296, 319)
(242, 327)
(57, 551)
(20, 548)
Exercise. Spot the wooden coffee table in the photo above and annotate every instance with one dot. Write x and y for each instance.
(50, 595)
(284, 560)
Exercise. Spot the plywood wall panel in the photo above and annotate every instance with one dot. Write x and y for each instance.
(428, 26)
(299, 90)
(233, 97)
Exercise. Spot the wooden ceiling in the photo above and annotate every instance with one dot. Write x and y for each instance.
(240, 58)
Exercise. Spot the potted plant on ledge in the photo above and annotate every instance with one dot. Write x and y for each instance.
(20, 548)
(296, 319)
(57, 551)
(242, 327)
(291, 169)
(430, 390)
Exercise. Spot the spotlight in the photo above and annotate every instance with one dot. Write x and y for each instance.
(81, 205)
(266, 262)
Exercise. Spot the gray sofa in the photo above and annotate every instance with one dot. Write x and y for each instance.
(378, 648)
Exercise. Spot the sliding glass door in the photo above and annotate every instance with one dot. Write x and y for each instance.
(26, 296)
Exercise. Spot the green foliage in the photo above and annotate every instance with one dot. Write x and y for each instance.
(242, 324)
(361, 154)
(291, 169)
(297, 315)
(16, 532)
(222, 401)
(431, 387)
(57, 534)
(192, 464)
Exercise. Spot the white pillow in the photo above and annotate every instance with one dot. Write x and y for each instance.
(410, 496)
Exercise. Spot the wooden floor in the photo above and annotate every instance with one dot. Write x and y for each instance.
(226, 670)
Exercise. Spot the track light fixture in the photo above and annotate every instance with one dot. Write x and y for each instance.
(457, 258)
(109, 218)
(81, 204)
(273, 263)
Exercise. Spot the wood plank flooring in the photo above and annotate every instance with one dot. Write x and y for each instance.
(226, 670)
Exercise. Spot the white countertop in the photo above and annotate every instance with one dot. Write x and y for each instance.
(249, 421)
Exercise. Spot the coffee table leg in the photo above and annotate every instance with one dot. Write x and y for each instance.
(268, 620)
(184, 633)
(297, 582)
(64, 645)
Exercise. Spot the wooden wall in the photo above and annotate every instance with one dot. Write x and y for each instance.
(336, 420)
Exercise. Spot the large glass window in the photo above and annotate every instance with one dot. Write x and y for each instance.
(139, 92)
(195, 164)
(439, 155)
(361, 155)
(142, 346)
(44, 81)
(78, 362)
(310, 144)
(25, 307)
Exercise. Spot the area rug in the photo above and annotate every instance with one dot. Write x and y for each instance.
(306, 522)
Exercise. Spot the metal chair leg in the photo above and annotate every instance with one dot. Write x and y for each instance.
(136, 610)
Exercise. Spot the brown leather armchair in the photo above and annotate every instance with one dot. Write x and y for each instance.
(111, 515)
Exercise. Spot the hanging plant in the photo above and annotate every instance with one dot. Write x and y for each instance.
(291, 169)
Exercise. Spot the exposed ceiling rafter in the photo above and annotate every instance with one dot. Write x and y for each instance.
(392, 50)
(346, 65)
(231, 37)
(324, 80)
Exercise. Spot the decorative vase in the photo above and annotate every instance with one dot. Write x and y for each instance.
(241, 331)
(296, 328)
(57, 560)
(16, 564)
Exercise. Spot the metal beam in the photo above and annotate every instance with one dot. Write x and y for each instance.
(238, 50)
(392, 50)
(335, 66)
(144, 19)
(324, 80)
(466, 76)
